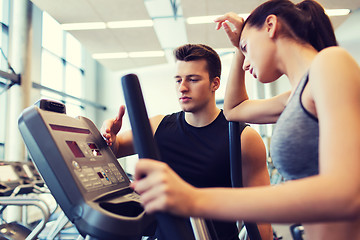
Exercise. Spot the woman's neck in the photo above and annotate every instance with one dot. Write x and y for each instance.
(294, 59)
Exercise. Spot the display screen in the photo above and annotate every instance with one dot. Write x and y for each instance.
(96, 152)
(75, 149)
(69, 129)
(92, 146)
(94, 149)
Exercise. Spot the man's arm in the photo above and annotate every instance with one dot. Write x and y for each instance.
(121, 143)
(254, 168)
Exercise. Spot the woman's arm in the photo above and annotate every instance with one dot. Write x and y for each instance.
(320, 198)
(238, 107)
(332, 195)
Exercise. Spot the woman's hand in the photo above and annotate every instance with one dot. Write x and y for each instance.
(236, 21)
(161, 189)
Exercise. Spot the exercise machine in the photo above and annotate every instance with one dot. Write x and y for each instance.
(83, 174)
(17, 181)
(236, 172)
(86, 179)
(14, 174)
(175, 226)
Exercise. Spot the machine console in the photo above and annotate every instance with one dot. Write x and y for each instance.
(83, 174)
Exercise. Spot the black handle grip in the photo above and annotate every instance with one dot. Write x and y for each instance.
(235, 154)
(171, 227)
(236, 171)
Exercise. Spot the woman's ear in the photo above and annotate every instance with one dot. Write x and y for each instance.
(272, 25)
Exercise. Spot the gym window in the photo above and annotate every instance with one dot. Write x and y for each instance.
(4, 42)
(61, 66)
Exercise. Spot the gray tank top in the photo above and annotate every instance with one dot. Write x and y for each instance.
(295, 141)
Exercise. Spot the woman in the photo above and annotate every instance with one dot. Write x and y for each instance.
(316, 141)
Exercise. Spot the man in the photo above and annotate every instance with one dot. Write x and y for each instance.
(195, 141)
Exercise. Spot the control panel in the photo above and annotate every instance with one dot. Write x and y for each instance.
(83, 174)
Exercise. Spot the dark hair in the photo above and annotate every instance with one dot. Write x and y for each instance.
(305, 21)
(193, 52)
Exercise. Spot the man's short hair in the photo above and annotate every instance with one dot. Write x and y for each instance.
(193, 52)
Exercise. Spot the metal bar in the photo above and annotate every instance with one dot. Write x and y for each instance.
(25, 201)
(15, 78)
(200, 229)
(174, 8)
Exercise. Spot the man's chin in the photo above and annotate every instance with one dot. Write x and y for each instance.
(186, 109)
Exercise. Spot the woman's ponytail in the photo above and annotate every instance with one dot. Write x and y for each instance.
(319, 31)
(305, 21)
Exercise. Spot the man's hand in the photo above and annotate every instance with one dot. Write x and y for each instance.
(111, 127)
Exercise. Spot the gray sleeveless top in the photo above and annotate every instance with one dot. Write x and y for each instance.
(295, 141)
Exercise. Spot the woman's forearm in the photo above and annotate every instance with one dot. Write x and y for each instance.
(314, 199)
(235, 89)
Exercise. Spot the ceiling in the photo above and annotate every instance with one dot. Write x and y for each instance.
(169, 30)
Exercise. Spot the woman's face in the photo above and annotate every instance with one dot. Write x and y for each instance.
(259, 49)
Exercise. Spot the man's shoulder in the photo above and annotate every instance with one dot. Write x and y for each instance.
(242, 125)
(173, 116)
(170, 119)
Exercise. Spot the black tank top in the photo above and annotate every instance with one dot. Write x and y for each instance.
(200, 155)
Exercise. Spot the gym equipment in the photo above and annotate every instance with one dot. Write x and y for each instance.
(297, 231)
(20, 178)
(236, 171)
(17, 231)
(9, 180)
(83, 174)
(171, 227)
(15, 174)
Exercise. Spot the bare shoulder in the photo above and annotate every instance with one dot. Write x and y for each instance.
(251, 140)
(332, 66)
(336, 57)
(333, 52)
(334, 79)
(253, 155)
(155, 121)
(157, 118)
(249, 133)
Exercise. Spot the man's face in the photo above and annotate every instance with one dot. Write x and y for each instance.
(193, 85)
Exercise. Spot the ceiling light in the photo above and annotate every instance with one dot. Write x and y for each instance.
(337, 12)
(224, 50)
(146, 54)
(201, 19)
(130, 24)
(127, 55)
(110, 55)
(208, 19)
(83, 26)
